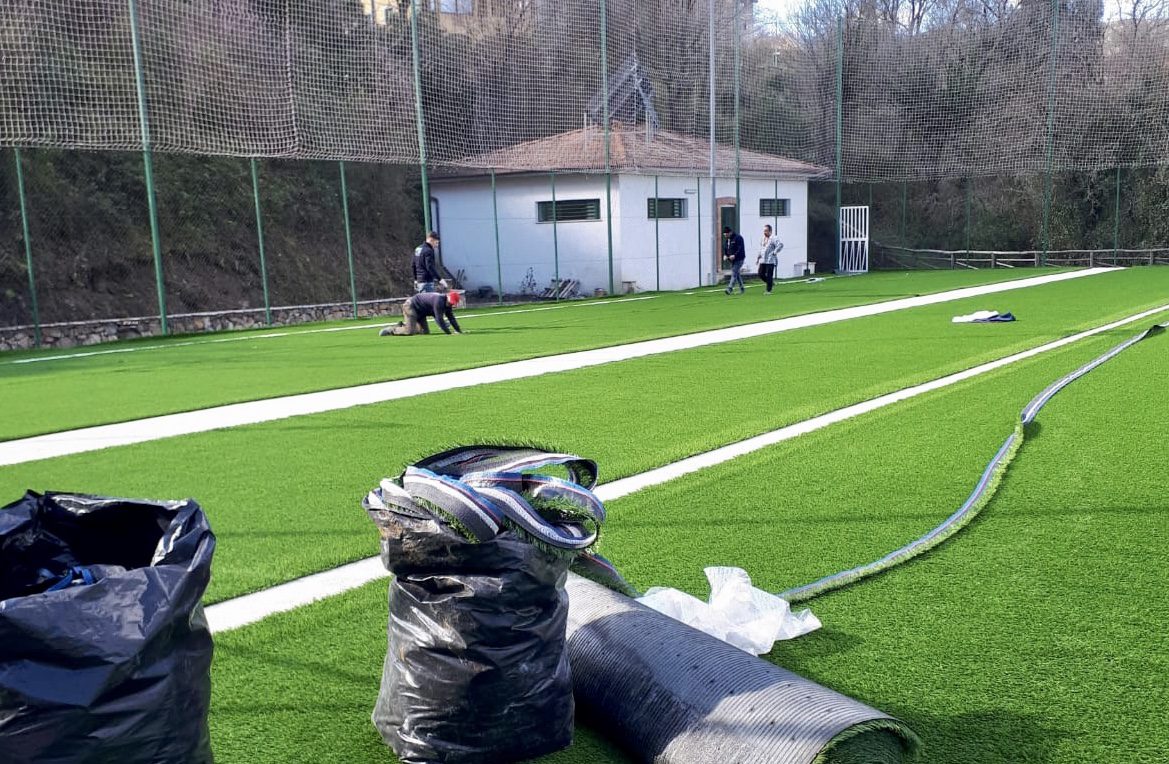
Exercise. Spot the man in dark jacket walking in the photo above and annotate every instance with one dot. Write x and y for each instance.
(426, 273)
(735, 251)
(415, 311)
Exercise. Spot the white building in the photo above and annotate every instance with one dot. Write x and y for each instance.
(539, 242)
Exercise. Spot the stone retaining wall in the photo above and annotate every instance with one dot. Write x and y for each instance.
(75, 333)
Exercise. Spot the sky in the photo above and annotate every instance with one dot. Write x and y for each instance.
(775, 6)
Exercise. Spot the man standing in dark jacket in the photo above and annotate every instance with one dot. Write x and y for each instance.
(415, 311)
(735, 251)
(426, 273)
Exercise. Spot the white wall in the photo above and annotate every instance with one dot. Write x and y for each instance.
(791, 230)
(468, 235)
(676, 262)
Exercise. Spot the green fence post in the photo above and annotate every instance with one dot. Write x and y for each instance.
(148, 164)
(32, 283)
(495, 217)
(1116, 220)
(839, 125)
(775, 210)
(698, 219)
(260, 239)
(348, 237)
(1048, 181)
(608, 137)
(657, 239)
(420, 117)
(738, 164)
(904, 208)
(555, 237)
(969, 186)
(715, 233)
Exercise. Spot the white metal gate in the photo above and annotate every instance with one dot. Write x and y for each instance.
(854, 240)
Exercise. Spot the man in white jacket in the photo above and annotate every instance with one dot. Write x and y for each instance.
(768, 258)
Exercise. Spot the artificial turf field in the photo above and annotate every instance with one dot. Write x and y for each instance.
(1035, 635)
(151, 376)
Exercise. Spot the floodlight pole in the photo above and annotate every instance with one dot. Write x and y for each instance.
(260, 238)
(420, 117)
(147, 164)
(714, 232)
(32, 284)
(495, 217)
(1048, 181)
(839, 125)
(608, 147)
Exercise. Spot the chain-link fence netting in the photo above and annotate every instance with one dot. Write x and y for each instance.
(979, 125)
(304, 229)
(935, 90)
(381, 198)
(207, 234)
(89, 235)
(15, 295)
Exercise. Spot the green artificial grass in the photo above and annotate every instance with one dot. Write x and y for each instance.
(283, 497)
(1038, 635)
(64, 394)
(1035, 635)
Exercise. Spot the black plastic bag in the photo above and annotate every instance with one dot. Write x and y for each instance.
(476, 668)
(105, 655)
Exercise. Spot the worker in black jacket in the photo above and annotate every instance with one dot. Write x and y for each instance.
(426, 273)
(415, 311)
(735, 251)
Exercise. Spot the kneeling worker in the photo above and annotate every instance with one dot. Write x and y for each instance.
(415, 310)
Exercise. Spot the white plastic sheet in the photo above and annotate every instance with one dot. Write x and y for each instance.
(739, 614)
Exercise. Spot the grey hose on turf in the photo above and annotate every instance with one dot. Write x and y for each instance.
(979, 497)
(675, 695)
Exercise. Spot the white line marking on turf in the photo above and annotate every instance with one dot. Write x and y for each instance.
(250, 608)
(271, 409)
(329, 330)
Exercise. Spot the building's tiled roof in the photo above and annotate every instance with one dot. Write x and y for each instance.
(667, 153)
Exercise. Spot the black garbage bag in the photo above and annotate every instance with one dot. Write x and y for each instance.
(105, 655)
(476, 668)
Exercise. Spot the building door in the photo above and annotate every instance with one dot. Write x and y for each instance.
(728, 217)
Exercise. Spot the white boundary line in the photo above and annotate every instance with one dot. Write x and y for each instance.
(330, 330)
(250, 608)
(271, 409)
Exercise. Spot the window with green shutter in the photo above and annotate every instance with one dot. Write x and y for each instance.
(568, 210)
(774, 208)
(662, 209)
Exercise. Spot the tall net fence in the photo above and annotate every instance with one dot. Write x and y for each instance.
(946, 108)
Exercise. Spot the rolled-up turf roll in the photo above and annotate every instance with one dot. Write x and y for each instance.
(674, 695)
